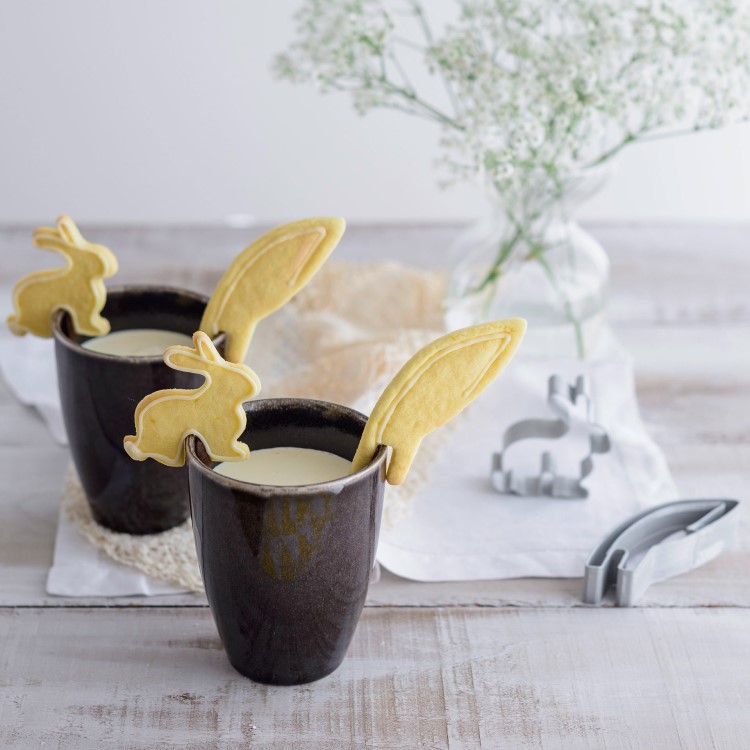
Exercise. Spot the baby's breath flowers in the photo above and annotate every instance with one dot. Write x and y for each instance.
(528, 93)
(533, 86)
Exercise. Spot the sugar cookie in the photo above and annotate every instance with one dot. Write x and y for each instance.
(266, 275)
(213, 412)
(434, 386)
(77, 287)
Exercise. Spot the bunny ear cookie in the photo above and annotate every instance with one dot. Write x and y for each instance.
(76, 287)
(266, 275)
(433, 387)
(213, 412)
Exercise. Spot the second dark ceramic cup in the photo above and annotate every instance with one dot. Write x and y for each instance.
(99, 393)
(286, 569)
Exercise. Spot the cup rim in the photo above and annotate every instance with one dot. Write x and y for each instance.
(65, 340)
(296, 489)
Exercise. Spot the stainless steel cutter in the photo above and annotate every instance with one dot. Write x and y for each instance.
(657, 544)
(569, 402)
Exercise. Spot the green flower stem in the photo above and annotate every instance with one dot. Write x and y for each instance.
(430, 39)
(505, 250)
(536, 253)
(607, 155)
(495, 270)
(422, 105)
(646, 134)
(569, 314)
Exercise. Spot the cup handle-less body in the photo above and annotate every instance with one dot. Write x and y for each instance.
(286, 570)
(98, 393)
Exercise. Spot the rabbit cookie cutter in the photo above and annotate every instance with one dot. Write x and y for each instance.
(656, 544)
(570, 402)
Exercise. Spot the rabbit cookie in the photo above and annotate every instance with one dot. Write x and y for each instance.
(266, 275)
(433, 387)
(213, 412)
(77, 287)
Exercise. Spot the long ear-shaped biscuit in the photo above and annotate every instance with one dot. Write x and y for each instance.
(434, 386)
(76, 287)
(213, 412)
(266, 275)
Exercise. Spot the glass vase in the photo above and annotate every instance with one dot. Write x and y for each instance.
(529, 258)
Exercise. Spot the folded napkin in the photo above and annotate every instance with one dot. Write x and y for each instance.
(462, 529)
(342, 339)
(27, 365)
(80, 569)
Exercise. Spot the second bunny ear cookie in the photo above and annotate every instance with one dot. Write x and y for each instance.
(76, 287)
(266, 275)
(213, 412)
(432, 387)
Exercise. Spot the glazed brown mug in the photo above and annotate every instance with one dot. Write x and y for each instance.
(286, 569)
(99, 393)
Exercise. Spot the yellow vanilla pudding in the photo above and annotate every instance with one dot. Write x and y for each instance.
(137, 342)
(286, 467)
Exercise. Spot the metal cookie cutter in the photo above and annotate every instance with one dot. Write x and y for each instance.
(657, 544)
(567, 401)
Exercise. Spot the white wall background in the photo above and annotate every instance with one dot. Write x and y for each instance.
(166, 111)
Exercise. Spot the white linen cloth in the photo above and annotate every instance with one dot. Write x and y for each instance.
(342, 339)
(80, 569)
(28, 368)
(461, 529)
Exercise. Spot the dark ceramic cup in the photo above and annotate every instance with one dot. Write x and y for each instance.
(99, 393)
(286, 569)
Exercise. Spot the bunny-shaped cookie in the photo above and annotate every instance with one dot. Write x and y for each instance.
(265, 276)
(213, 412)
(77, 287)
(434, 386)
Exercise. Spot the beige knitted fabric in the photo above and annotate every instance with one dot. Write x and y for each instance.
(169, 556)
(341, 339)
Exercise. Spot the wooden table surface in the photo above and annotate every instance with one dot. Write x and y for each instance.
(501, 664)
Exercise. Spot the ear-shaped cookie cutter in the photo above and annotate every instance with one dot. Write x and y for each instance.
(657, 544)
(566, 401)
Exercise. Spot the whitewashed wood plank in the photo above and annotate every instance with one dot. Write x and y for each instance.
(467, 678)
(25, 586)
(669, 273)
(661, 273)
(691, 379)
(700, 419)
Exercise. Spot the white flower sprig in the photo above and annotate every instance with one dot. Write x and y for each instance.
(534, 90)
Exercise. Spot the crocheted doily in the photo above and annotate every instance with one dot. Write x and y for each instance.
(341, 339)
(169, 556)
